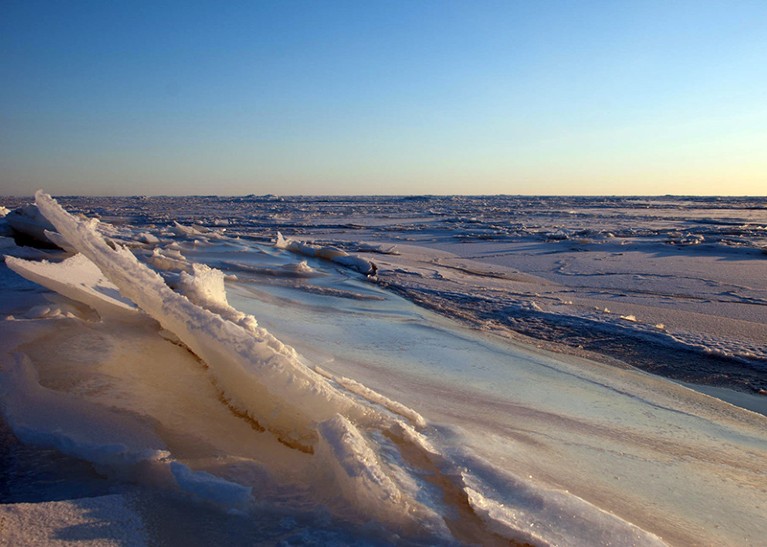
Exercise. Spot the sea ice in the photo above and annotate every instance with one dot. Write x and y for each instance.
(271, 386)
(79, 279)
(79, 428)
(29, 221)
(333, 254)
(606, 446)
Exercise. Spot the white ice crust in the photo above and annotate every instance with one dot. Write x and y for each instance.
(532, 515)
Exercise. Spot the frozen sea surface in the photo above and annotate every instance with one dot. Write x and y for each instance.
(386, 421)
(673, 285)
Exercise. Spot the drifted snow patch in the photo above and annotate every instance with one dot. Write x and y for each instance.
(100, 521)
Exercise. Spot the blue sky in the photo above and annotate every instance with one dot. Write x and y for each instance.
(391, 97)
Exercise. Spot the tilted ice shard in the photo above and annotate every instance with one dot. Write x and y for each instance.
(79, 279)
(205, 287)
(272, 387)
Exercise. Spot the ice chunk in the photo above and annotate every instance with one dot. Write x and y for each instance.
(168, 260)
(375, 397)
(146, 237)
(206, 284)
(524, 510)
(59, 241)
(302, 268)
(205, 287)
(188, 231)
(194, 232)
(79, 279)
(328, 253)
(356, 468)
(28, 220)
(43, 311)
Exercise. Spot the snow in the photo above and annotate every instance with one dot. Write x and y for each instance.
(413, 429)
(104, 521)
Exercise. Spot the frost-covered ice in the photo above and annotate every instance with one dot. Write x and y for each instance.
(281, 392)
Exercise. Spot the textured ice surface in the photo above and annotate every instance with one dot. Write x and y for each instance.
(514, 443)
(559, 269)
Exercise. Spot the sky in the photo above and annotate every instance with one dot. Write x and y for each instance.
(383, 97)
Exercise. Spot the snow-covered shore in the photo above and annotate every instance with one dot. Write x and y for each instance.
(379, 421)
